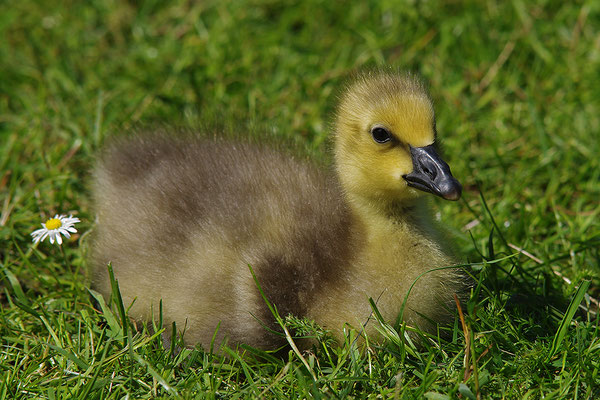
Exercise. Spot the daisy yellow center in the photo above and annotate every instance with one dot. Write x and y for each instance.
(53, 223)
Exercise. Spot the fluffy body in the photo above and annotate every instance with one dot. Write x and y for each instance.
(181, 217)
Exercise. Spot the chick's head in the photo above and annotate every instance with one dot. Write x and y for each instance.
(384, 137)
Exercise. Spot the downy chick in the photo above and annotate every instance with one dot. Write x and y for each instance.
(180, 217)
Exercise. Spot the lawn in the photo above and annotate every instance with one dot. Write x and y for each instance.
(517, 92)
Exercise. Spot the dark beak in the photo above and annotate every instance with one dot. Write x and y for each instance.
(432, 174)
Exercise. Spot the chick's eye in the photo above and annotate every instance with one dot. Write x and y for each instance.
(381, 135)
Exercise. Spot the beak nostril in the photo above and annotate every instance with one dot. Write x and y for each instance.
(428, 167)
(430, 172)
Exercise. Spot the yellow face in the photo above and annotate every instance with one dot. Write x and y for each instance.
(372, 144)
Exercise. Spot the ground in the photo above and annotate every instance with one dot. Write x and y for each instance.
(515, 86)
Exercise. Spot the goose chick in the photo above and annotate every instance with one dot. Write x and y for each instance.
(181, 217)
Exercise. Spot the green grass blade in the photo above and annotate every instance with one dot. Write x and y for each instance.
(114, 326)
(568, 317)
(15, 285)
(118, 301)
(159, 378)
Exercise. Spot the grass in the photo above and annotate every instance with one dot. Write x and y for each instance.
(516, 91)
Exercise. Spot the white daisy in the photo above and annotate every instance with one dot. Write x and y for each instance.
(54, 227)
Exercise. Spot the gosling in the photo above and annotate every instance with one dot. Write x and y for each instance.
(181, 217)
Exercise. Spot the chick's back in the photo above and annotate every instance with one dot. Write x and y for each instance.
(181, 218)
